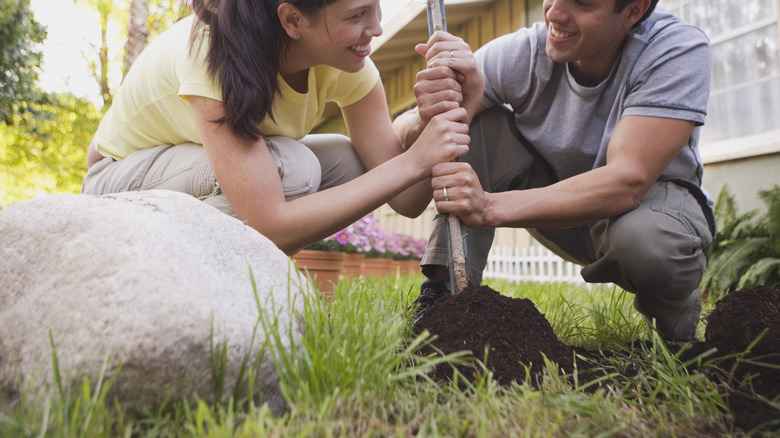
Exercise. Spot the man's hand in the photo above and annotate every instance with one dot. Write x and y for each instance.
(464, 195)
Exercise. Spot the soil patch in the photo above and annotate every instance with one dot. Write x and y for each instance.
(511, 331)
(515, 337)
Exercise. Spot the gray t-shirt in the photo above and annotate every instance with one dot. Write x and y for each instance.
(663, 71)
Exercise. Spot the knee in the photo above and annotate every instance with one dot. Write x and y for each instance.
(656, 253)
(338, 159)
(298, 167)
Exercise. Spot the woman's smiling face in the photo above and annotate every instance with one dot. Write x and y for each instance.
(340, 35)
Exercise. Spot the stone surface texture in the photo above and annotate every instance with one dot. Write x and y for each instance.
(149, 281)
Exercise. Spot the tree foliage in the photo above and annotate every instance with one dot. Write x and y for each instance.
(137, 32)
(148, 19)
(20, 60)
(47, 155)
(161, 14)
(746, 252)
(43, 145)
(165, 13)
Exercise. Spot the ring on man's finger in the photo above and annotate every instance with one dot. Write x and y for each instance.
(446, 198)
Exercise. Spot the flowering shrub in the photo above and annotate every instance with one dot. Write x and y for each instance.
(354, 238)
(404, 247)
(365, 236)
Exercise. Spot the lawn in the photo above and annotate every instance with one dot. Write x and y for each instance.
(359, 372)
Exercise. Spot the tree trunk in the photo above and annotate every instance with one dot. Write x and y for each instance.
(137, 32)
(105, 90)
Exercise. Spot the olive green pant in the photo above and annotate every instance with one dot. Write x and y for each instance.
(655, 251)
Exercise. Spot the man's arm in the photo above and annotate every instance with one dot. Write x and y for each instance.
(640, 149)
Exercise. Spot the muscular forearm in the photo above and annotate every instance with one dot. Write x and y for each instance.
(576, 201)
(640, 149)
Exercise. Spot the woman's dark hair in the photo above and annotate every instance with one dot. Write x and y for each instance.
(621, 4)
(246, 40)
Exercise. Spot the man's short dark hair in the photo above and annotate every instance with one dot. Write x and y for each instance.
(621, 4)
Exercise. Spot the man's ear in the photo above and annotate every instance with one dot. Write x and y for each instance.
(291, 19)
(636, 10)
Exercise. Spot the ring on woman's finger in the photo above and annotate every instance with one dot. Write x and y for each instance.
(452, 53)
(446, 198)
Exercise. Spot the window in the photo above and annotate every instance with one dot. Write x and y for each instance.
(745, 95)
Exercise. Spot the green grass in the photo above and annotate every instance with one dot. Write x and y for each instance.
(357, 373)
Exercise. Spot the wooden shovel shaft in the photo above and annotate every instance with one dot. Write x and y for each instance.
(457, 255)
(437, 22)
(436, 16)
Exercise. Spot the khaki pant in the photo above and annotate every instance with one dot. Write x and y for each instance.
(314, 163)
(656, 251)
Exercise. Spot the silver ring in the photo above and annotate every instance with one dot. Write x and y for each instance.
(446, 198)
(452, 54)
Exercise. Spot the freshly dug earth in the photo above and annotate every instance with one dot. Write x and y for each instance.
(736, 322)
(511, 331)
(515, 335)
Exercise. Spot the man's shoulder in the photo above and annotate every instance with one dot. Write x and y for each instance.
(662, 26)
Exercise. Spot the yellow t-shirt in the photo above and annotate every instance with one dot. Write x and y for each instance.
(151, 108)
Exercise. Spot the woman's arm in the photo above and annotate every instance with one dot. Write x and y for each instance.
(249, 179)
(375, 141)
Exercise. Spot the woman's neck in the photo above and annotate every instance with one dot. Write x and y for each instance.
(298, 81)
(296, 74)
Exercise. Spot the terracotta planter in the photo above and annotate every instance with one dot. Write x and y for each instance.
(353, 264)
(409, 267)
(377, 267)
(323, 267)
(398, 267)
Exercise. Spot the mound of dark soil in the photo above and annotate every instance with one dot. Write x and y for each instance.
(510, 331)
(516, 336)
(735, 323)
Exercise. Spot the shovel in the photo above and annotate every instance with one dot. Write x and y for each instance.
(457, 266)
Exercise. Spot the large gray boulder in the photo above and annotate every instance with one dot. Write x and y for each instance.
(149, 281)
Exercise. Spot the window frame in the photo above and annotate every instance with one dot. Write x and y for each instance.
(745, 146)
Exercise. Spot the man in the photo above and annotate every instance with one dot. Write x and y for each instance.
(597, 157)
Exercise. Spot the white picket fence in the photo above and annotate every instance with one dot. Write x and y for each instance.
(534, 263)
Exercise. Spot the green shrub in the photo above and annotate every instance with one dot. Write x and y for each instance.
(746, 251)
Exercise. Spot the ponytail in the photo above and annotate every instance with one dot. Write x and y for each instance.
(245, 41)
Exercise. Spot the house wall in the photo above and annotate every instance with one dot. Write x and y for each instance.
(744, 178)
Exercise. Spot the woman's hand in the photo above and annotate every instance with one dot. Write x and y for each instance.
(444, 139)
(451, 80)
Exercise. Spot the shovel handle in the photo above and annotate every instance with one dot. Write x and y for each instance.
(457, 253)
(458, 275)
(436, 18)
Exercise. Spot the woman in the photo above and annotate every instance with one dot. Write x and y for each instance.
(218, 107)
